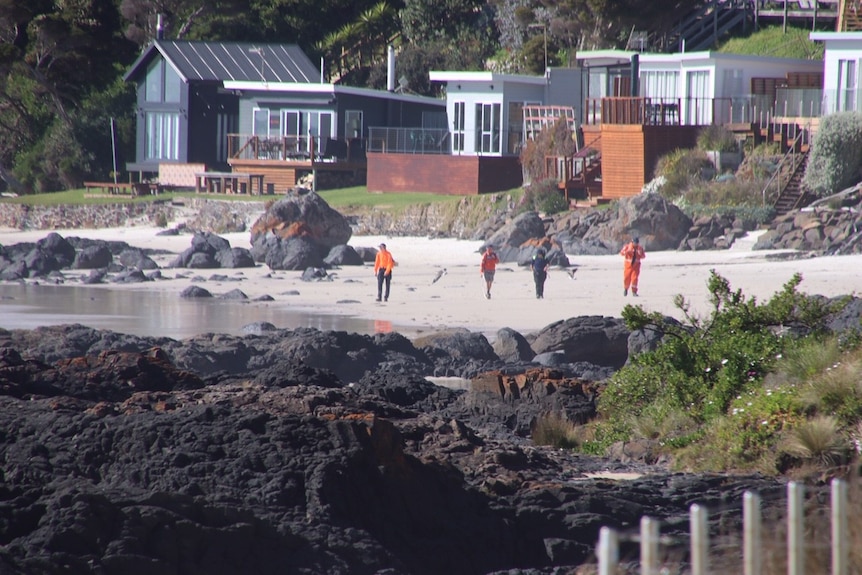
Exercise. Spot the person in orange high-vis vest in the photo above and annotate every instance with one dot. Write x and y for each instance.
(383, 264)
(633, 253)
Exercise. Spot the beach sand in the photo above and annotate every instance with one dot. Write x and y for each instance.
(458, 300)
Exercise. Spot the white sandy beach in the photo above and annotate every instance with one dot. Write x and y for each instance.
(457, 299)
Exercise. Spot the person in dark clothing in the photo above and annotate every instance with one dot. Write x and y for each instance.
(539, 266)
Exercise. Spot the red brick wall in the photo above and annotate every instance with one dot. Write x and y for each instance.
(453, 175)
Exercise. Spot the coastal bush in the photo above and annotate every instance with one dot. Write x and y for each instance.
(819, 439)
(556, 139)
(717, 138)
(705, 365)
(836, 154)
(545, 197)
(681, 169)
(555, 430)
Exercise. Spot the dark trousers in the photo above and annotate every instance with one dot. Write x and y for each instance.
(539, 278)
(383, 278)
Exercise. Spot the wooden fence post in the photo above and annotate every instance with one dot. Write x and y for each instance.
(839, 528)
(649, 546)
(699, 540)
(751, 533)
(795, 529)
(609, 551)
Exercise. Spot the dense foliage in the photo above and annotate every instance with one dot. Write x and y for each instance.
(836, 154)
(704, 367)
(61, 63)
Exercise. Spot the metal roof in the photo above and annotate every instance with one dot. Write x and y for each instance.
(231, 61)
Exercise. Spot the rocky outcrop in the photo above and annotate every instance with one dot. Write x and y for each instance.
(718, 232)
(303, 215)
(120, 462)
(54, 253)
(659, 224)
(594, 339)
(821, 230)
(297, 232)
(210, 251)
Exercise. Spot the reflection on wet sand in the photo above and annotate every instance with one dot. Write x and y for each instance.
(159, 314)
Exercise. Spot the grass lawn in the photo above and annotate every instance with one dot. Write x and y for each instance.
(356, 197)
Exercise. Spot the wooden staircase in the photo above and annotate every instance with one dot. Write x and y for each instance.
(579, 176)
(793, 195)
(849, 16)
(708, 22)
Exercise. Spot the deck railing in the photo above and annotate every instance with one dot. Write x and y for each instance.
(409, 140)
(294, 148)
(788, 102)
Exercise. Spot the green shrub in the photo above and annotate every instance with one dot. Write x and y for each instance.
(836, 154)
(717, 138)
(555, 430)
(819, 439)
(746, 437)
(680, 170)
(703, 365)
(544, 196)
(728, 193)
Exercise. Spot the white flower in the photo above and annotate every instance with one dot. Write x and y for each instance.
(723, 361)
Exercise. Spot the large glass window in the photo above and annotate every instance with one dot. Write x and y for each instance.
(260, 122)
(154, 81)
(163, 135)
(846, 85)
(659, 84)
(699, 103)
(163, 84)
(458, 128)
(488, 128)
(353, 123)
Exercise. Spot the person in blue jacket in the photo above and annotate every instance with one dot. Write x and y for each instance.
(539, 266)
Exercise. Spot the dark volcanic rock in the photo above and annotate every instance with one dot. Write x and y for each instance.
(595, 339)
(125, 462)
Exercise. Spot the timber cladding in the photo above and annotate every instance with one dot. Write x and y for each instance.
(630, 154)
(442, 174)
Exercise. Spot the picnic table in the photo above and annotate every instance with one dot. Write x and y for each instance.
(132, 188)
(228, 182)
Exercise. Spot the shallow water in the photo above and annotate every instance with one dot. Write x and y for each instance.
(159, 314)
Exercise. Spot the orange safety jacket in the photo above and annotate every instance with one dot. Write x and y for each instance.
(489, 262)
(384, 261)
(633, 253)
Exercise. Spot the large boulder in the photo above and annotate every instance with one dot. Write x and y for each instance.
(659, 224)
(209, 251)
(303, 216)
(595, 339)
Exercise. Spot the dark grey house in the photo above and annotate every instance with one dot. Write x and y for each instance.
(256, 108)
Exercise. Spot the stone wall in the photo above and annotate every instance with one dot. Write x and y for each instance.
(64, 217)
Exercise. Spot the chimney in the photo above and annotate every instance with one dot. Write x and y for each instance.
(390, 68)
(159, 29)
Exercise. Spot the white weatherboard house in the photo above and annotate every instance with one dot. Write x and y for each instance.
(485, 109)
(698, 88)
(841, 60)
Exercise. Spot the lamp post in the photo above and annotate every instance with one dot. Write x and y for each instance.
(544, 28)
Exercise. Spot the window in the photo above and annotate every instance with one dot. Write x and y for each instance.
(353, 127)
(846, 85)
(488, 128)
(458, 128)
(163, 84)
(657, 84)
(699, 104)
(163, 135)
(260, 122)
